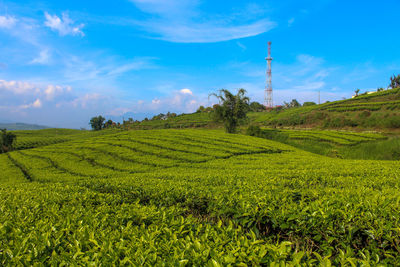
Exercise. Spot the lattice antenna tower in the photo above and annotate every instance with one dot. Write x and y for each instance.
(268, 85)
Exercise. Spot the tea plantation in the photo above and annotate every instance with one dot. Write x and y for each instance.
(195, 198)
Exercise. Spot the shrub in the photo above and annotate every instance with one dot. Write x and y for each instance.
(306, 104)
(393, 122)
(254, 130)
(6, 140)
(364, 114)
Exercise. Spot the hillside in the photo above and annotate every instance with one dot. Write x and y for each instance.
(36, 138)
(21, 126)
(379, 110)
(194, 198)
(335, 143)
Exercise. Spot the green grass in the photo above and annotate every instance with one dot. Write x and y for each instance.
(194, 120)
(380, 150)
(373, 111)
(195, 198)
(343, 144)
(26, 139)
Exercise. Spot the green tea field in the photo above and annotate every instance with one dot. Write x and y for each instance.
(195, 198)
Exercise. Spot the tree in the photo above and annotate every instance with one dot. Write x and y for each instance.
(306, 104)
(200, 109)
(394, 81)
(97, 123)
(294, 103)
(232, 108)
(357, 91)
(108, 124)
(255, 106)
(7, 140)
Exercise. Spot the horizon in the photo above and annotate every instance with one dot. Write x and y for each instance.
(65, 62)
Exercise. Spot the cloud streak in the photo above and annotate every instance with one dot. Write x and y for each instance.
(7, 21)
(182, 22)
(64, 25)
(43, 58)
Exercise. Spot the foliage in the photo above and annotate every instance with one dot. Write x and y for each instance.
(195, 198)
(306, 104)
(256, 107)
(232, 108)
(254, 130)
(293, 104)
(382, 106)
(7, 140)
(342, 144)
(394, 81)
(109, 124)
(97, 123)
(38, 138)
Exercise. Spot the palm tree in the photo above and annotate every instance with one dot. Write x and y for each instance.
(232, 108)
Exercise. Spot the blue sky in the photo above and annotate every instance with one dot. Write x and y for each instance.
(62, 62)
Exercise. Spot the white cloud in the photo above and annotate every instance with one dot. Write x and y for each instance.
(24, 88)
(86, 100)
(176, 101)
(64, 26)
(53, 90)
(186, 91)
(36, 104)
(43, 58)
(7, 21)
(18, 87)
(156, 101)
(16, 94)
(182, 22)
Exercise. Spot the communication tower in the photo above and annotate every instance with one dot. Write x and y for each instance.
(268, 86)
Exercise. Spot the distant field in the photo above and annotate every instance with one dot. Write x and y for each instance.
(195, 197)
(342, 144)
(336, 137)
(371, 111)
(194, 120)
(35, 138)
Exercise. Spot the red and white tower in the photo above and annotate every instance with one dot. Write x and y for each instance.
(268, 86)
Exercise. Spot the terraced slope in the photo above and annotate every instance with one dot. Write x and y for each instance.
(194, 197)
(371, 111)
(36, 138)
(335, 137)
(194, 120)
